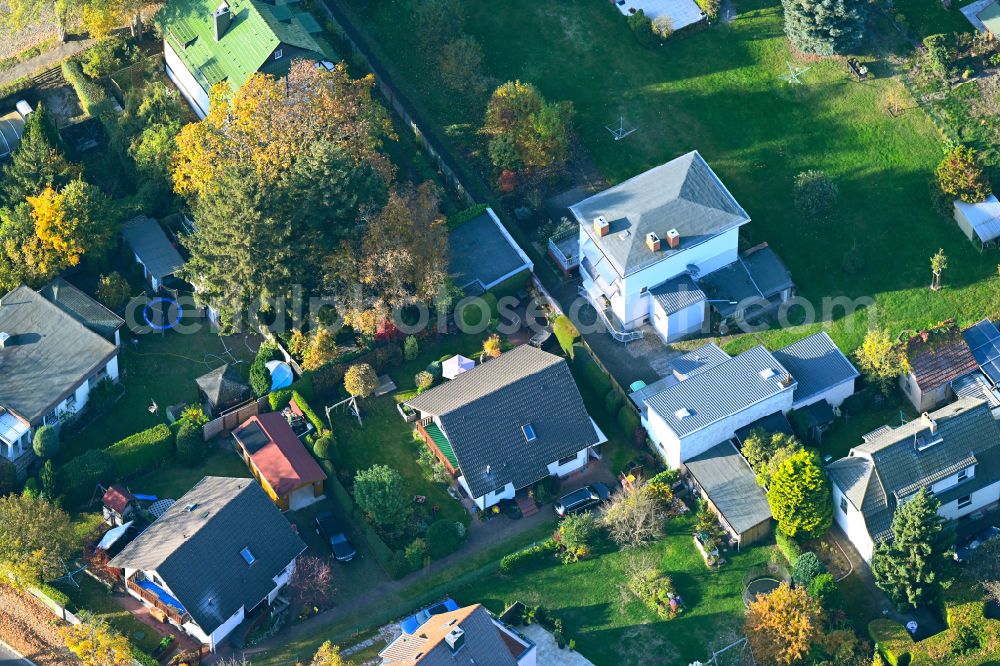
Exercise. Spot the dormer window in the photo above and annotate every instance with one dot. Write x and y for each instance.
(277, 54)
(529, 432)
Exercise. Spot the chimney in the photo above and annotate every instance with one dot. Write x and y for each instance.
(601, 226)
(931, 423)
(4, 337)
(674, 239)
(653, 242)
(222, 18)
(455, 639)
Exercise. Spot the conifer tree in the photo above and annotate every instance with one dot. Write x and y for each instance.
(38, 161)
(824, 27)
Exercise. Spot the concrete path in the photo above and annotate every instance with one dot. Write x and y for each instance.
(44, 61)
(549, 652)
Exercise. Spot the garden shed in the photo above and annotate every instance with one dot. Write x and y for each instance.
(152, 250)
(980, 222)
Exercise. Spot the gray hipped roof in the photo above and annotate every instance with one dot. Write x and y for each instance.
(729, 482)
(223, 386)
(83, 308)
(482, 413)
(152, 246)
(720, 391)
(48, 354)
(683, 194)
(816, 364)
(896, 462)
(195, 548)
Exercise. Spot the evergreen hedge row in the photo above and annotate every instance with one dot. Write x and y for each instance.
(143, 450)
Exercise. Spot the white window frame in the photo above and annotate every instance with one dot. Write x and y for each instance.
(278, 53)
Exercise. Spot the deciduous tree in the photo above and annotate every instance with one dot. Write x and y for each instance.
(35, 539)
(71, 222)
(461, 65)
(824, 27)
(781, 626)
(379, 492)
(960, 175)
(113, 291)
(321, 349)
(534, 133)
(633, 516)
(95, 643)
(329, 655)
(881, 359)
(910, 567)
(312, 582)
(360, 380)
(437, 21)
(939, 262)
(800, 497)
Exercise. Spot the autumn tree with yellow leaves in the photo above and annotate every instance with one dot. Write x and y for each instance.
(782, 626)
(95, 643)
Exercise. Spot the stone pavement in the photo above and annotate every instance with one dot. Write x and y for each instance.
(548, 652)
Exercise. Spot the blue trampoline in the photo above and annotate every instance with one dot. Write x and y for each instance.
(161, 594)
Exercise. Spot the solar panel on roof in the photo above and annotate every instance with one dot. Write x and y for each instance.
(992, 371)
(252, 437)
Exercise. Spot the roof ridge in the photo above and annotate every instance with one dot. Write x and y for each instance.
(62, 313)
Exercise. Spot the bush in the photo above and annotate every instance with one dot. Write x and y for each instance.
(443, 538)
(663, 26)
(566, 334)
(102, 395)
(824, 588)
(575, 535)
(105, 57)
(32, 487)
(893, 641)
(46, 442)
(92, 96)
(360, 380)
(815, 193)
(423, 380)
(628, 420)
(653, 588)
(142, 451)
(461, 217)
(806, 568)
(8, 477)
(434, 369)
(322, 447)
(642, 28)
(311, 415)
(960, 175)
(938, 53)
(143, 658)
(113, 291)
(710, 7)
(514, 561)
(260, 376)
(612, 402)
(397, 566)
(191, 447)
(411, 348)
(415, 554)
(279, 399)
(788, 546)
(80, 475)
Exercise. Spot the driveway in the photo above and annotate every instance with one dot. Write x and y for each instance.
(10, 658)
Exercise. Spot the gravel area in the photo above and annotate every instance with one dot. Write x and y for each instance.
(28, 627)
(17, 41)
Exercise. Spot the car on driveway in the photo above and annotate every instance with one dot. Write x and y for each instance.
(415, 621)
(584, 499)
(964, 552)
(329, 529)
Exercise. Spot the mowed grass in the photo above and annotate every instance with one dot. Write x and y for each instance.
(610, 628)
(718, 90)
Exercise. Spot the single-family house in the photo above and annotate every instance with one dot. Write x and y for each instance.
(219, 555)
(664, 245)
(152, 250)
(49, 361)
(462, 637)
(222, 389)
(954, 452)
(507, 424)
(936, 358)
(84, 309)
(117, 505)
(206, 42)
(722, 476)
(709, 396)
(289, 474)
(483, 255)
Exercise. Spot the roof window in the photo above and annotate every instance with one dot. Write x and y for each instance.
(248, 557)
(529, 432)
(682, 413)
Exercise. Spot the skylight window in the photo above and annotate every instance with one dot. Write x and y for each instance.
(248, 557)
(767, 373)
(682, 413)
(529, 432)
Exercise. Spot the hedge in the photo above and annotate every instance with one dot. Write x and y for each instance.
(515, 560)
(79, 477)
(142, 451)
(279, 399)
(628, 420)
(93, 98)
(308, 411)
(788, 546)
(461, 217)
(892, 640)
(58, 596)
(143, 658)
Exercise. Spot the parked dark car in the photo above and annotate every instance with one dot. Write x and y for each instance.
(327, 527)
(415, 621)
(584, 499)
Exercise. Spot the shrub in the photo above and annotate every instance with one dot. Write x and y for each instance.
(434, 369)
(612, 402)
(824, 588)
(191, 447)
(388, 356)
(105, 57)
(575, 535)
(514, 561)
(788, 546)
(960, 175)
(423, 380)
(360, 380)
(411, 348)
(431, 468)
(566, 334)
(380, 492)
(815, 193)
(113, 291)
(642, 28)
(8, 477)
(260, 376)
(653, 588)
(194, 415)
(710, 7)
(32, 487)
(938, 53)
(628, 420)
(92, 96)
(397, 566)
(415, 554)
(443, 538)
(308, 411)
(142, 451)
(46, 442)
(322, 447)
(279, 399)
(663, 26)
(806, 568)
(80, 475)
(456, 220)
(102, 395)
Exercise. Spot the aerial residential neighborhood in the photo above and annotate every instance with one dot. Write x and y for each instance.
(454, 333)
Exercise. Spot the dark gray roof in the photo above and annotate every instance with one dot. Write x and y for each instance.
(731, 485)
(721, 391)
(48, 354)
(223, 386)
(195, 548)
(481, 250)
(152, 246)
(975, 385)
(767, 270)
(816, 364)
(83, 308)
(483, 410)
(771, 424)
(676, 294)
(896, 462)
(683, 194)
(730, 283)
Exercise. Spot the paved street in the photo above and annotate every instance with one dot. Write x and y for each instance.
(10, 658)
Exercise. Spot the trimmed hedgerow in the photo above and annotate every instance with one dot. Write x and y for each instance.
(142, 451)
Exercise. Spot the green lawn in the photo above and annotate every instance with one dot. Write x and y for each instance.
(927, 17)
(587, 598)
(176, 479)
(848, 431)
(96, 598)
(718, 90)
(160, 368)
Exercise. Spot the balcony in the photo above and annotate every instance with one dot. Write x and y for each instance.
(436, 441)
(155, 596)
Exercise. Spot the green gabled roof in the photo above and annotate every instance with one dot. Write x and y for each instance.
(256, 30)
(308, 23)
(440, 441)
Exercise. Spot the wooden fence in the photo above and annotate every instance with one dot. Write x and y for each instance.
(229, 421)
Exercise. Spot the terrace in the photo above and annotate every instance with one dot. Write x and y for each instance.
(158, 598)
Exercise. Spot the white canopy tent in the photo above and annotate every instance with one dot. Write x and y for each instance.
(456, 365)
